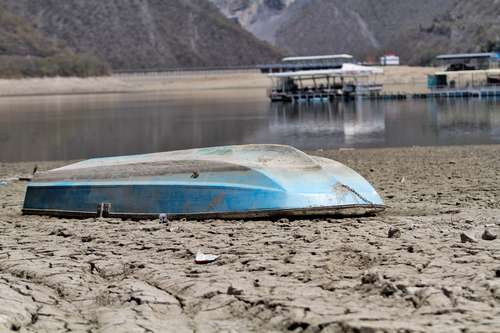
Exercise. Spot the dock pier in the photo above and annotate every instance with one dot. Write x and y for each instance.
(480, 92)
(334, 95)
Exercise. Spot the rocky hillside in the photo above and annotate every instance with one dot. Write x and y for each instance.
(132, 34)
(54, 37)
(25, 51)
(18, 37)
(416, 30)
(469, 26)
(261, 17)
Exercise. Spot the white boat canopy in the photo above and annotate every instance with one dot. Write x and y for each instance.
(321, 57)
(463, 56)
(347, 70)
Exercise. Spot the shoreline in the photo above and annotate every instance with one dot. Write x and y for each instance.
(310, 275)
(45, 164)
(395, 79)
(131, 84)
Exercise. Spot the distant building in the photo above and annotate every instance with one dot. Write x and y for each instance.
(470, 61)
(467, 71)
(389, 60)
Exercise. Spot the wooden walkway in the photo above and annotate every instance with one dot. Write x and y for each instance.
(483, 93)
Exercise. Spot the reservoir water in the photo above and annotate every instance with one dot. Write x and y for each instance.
(78, 127)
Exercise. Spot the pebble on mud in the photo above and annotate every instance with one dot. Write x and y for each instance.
(394, 232)
(488, 235)
(371, 278)
(61, 232)
(233, 291)
(465, 238)
(388, 289)
(86, 239)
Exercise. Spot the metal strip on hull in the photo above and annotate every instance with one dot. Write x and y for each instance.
(336, 211)
(181, 199)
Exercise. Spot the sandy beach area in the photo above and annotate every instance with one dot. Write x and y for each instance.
(322, 275)
(398, 79)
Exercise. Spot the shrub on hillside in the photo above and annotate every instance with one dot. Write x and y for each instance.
(65, 64)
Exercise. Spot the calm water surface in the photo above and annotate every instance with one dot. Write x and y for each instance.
(76, 127)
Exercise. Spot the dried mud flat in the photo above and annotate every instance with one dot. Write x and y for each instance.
(323, 275)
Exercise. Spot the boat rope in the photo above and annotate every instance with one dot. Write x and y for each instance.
(357, 194)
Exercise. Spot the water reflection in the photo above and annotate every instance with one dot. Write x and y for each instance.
(86, 126)
(475, 123)
(314, 125)
(386, 123)
(75, 127)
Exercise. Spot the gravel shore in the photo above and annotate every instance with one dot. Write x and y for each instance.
(422, 266)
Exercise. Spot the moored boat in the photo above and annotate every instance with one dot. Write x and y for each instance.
(249, 181)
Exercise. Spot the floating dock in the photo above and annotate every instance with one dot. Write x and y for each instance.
(343, 83)
(323, 97)
(475, 75)
(485, 92)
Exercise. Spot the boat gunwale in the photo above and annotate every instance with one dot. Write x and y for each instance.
(330, 211)
(112, 184)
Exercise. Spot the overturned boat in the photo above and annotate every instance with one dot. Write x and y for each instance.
(249, 181)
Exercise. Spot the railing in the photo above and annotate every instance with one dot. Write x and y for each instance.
(186, 70)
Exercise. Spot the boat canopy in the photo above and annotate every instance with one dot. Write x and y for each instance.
(320, 57)
(468, 56)
(347, 70)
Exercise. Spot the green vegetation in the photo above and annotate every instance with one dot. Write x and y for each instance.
(63, 64)
(26, 52)
(18, 37)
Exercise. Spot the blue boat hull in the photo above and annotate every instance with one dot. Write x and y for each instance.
(217, 187)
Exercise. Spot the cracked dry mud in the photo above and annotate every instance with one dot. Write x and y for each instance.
(322, 275)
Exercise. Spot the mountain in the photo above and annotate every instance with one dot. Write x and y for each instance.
(136, 34)
(468, 26)
(81, 37)
(261, 17)
(416, 30)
